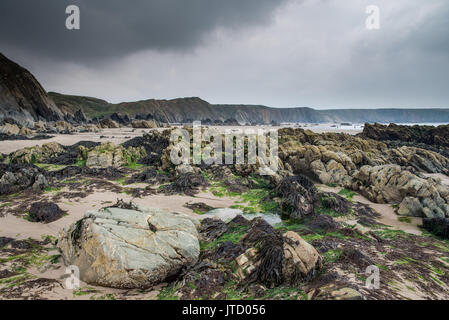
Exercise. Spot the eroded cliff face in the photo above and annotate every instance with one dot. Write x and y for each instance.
(22, 98)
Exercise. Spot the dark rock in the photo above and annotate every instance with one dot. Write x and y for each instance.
(356, 257)
(364, 211)
(80, 117)
(154, 143)
(420, 134)
(211, 229)
(437, 226)
(335, 202)
(253, 259)
(188, 183)
(45, 212)
(298, 196)
(109, 173)
(121, 119)
(270, 253)
(70, 156)
(19, 177)
(23, 99)
(323, 223)
(4, 241)
(199, 207)
(7, 274)
(150, 176)
(231, 122)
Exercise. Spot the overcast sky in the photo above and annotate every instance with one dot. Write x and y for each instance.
(280, 53)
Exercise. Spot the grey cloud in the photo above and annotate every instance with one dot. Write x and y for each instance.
(115, 28)
(314, 53)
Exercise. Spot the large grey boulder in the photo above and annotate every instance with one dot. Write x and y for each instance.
(127, 249)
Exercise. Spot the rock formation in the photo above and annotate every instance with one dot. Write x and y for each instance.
(128, 249)
(22, 98)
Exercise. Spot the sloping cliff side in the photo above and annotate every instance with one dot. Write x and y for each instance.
(22, 98)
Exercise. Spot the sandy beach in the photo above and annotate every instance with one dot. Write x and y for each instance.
(118, 136)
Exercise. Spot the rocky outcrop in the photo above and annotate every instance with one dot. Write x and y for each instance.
(144, 124)
(108, 124)
(10, 129)
(260, 257)
(130, 248)
(419, 134)
(19, 177)
(110, 155)
(382, 174)
(63, 127)
(22, 98)
(391, 184)
(80, 117)
(154, 144)
(121, 119)
(40, 126)
(298, 195)
(37, 154)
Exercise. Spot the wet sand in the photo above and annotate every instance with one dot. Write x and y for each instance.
(19, 228)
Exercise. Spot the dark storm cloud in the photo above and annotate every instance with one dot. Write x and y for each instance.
(315, 53)
(114, 28)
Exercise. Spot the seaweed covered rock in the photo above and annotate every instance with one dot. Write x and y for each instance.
(110, 155)
(437, 226)
(335, 202)
(323, 223)
(36, 154)
(19, 177)
(150, 176)
(298, 195)
(243, 255)
(199, 207)
(127, 249)
(70, 154)
(421, 134)
(45, 212)
(211, 229)
(154, 144)
(109, 173)
(189, 184)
